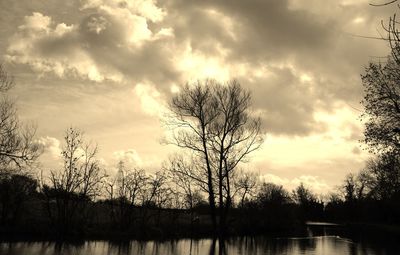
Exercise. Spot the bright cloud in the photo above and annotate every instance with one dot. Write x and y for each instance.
(314, 183)
(51, 146)
(129, 157)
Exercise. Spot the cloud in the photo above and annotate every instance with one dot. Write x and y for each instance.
(315, 183)
(292, 54)
(130, 157)
(150, 99)
(112, 42)
(271, 46)
(294, 59)
(51, 146)
(51, 158)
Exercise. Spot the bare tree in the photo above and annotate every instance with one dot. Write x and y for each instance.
(81, 173)
(187, 177)
(6, 80)
(125, 192)
(303, 196)
(215, 123)
(77, 183)
(235, 133)
(17, 145)
(194, 109)
(246, 184)
(189, 183)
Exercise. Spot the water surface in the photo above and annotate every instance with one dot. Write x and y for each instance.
(318, 241)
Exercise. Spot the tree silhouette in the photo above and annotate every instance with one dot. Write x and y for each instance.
(382, 106)
(76, 184)
(215, 123)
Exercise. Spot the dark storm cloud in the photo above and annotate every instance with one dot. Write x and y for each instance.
(265, 30)
(286, 103)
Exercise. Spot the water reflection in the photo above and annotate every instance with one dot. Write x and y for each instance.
(319, 245)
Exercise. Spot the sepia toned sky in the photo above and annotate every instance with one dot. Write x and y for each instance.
(109, 67)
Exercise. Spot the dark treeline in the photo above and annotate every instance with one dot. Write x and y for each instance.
(150, 208)
(371, 196)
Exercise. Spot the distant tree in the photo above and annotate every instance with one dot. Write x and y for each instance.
(75, 185)
(310, 206)
(125, 192)
(81, 173)
(303, 195)
(185, 178)
(214, 122)
(350, 188)
(15, 189)
(245, 184)
(187, 183)
(365, 181)
(272, 194)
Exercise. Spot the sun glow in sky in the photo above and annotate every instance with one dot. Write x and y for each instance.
(109, 67)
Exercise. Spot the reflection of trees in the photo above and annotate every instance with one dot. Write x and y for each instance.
(239, 245)
(120, 248)
(306, 244)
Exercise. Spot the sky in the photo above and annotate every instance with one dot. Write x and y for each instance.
(110, 67)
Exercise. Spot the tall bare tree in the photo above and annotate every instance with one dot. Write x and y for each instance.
(215, 123)
(194, 109)
(188, 178)
(235, 133)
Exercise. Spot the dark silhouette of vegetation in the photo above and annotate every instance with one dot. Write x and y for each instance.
(72, 188)
(373, 195)
(215, 124)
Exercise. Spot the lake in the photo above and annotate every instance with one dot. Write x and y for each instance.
(318, 239)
